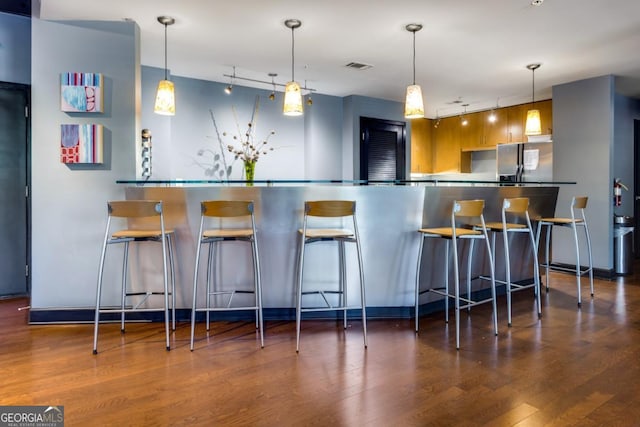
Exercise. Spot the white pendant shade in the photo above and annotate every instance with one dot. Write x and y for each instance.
(292, 100)
(414, 105)
(533, 126)
(165, 99)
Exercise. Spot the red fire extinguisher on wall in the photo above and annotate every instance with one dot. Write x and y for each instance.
(617, 191)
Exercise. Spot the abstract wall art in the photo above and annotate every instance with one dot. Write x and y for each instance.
(81, 92)
(81, 143)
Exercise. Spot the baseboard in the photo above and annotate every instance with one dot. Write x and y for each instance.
(85, 315)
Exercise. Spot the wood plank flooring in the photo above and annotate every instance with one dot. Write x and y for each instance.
(575, 367)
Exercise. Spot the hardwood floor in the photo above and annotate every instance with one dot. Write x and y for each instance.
(574, 367)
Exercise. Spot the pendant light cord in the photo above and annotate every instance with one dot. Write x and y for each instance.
(533, 87)
(293, 43)
(165, 51)
(414, 57)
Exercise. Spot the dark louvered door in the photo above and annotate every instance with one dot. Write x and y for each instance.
(382, 149)
(14, 139)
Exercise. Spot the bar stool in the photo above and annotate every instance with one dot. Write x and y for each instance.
(514, 208)
(145, 224)
(460, 209)
(577, 204)
(234, 212)
(330, 209)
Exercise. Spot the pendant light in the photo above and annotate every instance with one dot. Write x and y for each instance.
(414, 105)
(165, 96)
(292, 92)
(532, 125)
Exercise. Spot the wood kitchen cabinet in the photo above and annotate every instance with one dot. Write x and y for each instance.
(546, 116)
(446, 145)
(421, 147)
(497, 132)
(472, 135)
(517, 116)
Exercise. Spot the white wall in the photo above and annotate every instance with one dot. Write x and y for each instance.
(69, 203)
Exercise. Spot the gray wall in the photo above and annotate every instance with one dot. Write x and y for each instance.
(355, 107)
(69, 203)
(625, 111)
(583, 151)
(307, 147)
(15, 48)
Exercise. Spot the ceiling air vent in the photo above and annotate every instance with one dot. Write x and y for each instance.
(358, 66)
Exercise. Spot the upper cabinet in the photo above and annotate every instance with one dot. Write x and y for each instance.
(421, 147)
(497, 131)
(471, 134)
(446, 145)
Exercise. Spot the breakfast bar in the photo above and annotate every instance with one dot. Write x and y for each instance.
(388, 215)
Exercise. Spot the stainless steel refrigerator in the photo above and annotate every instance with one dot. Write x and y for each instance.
(525, 162)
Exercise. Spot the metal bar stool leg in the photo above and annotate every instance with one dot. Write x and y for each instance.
(456, 292)
(172, 267)
(417, 290)
(257, 289)
(363, 298)
(469, 263)
(99, 289)
(195, 289)
(536, 270)
(578, 273)
(342, 280)
(125, 268)
(586, 231)
(299, 290)
(507, 262)
(210, 278)
(492, 270)
(167, 327)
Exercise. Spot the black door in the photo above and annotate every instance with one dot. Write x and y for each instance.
(636, 187)
(14, 196)
(382, 149)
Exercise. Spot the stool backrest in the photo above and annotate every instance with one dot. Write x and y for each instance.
(516, 205)
(468, 208)
(134, 208)
(579, 202)
(330, 208)
(226, 208)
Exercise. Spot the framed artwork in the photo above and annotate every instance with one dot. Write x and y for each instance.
(81, 92)
(81, 143)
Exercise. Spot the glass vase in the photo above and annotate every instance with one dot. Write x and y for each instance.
(249, 172)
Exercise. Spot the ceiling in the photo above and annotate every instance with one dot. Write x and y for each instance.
(471, 51)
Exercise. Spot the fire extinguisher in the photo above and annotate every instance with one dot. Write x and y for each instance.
(617, 192)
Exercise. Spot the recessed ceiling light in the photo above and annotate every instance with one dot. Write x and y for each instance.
(537, 2)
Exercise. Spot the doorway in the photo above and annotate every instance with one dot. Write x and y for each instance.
(14, 197)
(382, 150)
